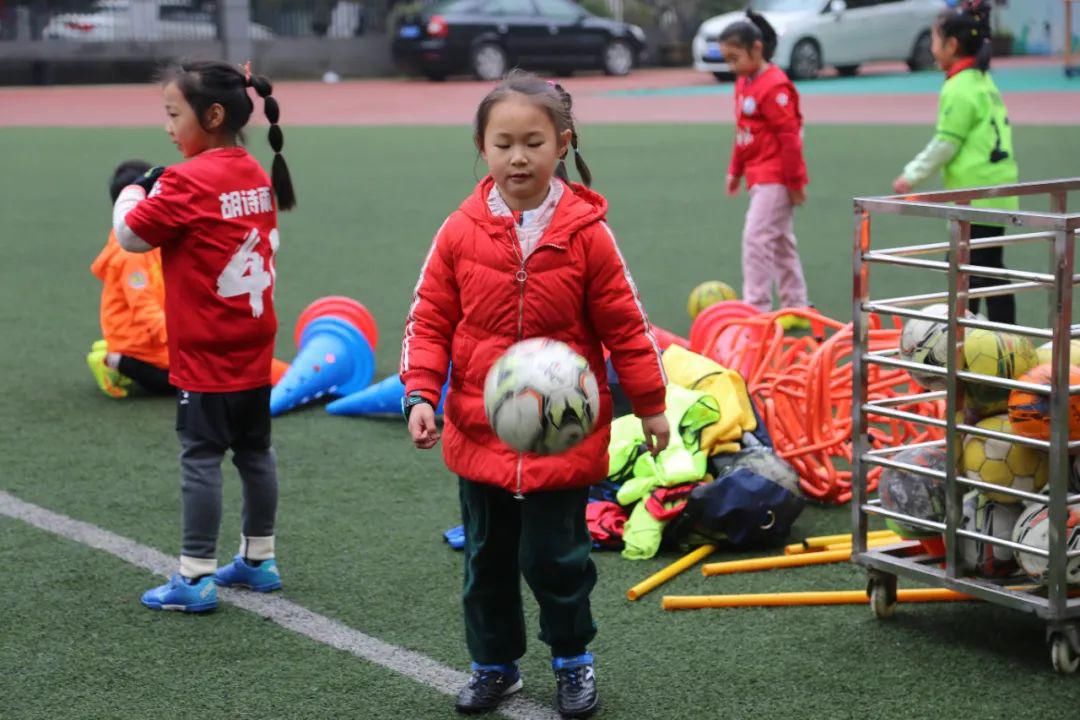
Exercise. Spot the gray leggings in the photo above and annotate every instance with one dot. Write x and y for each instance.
(209, 424)
(200, 471)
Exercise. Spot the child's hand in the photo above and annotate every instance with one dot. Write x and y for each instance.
(422, 427)
(797, 196)
(901, 185)
(657, 433)
(733, 182)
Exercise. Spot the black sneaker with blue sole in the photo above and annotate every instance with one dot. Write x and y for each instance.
(575, 680)
(488, 686)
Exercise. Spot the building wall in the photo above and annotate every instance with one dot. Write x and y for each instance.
(1038, 26)
(61, 61)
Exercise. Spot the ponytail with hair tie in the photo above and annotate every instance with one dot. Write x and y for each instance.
(969, 25)
(579, 162)
(755, 28)
(279, 171)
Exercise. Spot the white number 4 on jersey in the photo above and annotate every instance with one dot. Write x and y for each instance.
(247, 274)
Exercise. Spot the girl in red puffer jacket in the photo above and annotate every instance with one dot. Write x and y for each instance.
(528, 254)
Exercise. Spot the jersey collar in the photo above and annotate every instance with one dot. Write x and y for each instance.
(960, 66)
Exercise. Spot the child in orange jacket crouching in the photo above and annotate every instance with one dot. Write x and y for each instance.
(135, 345)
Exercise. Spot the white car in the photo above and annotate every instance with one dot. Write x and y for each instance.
(841, 33)
(111, 20)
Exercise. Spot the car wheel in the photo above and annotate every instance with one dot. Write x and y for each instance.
(489, 62)
(847, 70)
(723, 76)
(805, 60)
(922, 58)
(618, 58)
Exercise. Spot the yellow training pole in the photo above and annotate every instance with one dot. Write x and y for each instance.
(869, 543)
(828, 597)
(819, 543)
(657, 579)
(776, 561)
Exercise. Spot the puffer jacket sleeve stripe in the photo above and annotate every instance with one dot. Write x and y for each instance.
(433, 315)
(616, 312)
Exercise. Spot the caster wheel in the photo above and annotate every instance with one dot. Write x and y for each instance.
(1064, 658)
(882, 602)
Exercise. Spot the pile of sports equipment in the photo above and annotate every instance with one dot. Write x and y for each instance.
(718, 481)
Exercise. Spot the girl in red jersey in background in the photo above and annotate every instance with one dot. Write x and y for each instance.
(768, 153)
(214, 216)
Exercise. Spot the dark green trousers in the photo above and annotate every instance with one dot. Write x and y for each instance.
(542, 538)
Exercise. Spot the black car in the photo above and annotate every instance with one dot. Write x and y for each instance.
(488, 37)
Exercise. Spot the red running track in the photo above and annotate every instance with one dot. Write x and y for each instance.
(418, 102)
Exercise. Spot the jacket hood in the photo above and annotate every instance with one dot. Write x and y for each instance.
(578, 207)
(105, 257)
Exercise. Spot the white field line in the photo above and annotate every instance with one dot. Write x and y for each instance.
(297, 618)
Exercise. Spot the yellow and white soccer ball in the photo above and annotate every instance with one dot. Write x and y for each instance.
(1004, 463)
(709, 293)
(995, 354)
(1044, 353)
(541, 397)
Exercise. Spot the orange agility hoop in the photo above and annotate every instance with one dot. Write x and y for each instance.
(705, 324)
(802, 390)
(343, 307)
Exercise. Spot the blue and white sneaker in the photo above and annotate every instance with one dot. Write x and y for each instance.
(183, 595)
(264, 578)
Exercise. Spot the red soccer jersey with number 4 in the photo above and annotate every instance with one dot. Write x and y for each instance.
(215, 220)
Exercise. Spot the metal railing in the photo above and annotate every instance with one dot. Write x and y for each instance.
(1057, 228)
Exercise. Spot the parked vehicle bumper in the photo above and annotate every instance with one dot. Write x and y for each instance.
(427, 55)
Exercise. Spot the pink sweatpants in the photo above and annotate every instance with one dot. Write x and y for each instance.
(769, 251)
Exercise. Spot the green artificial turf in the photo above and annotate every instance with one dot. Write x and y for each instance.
(361, 512)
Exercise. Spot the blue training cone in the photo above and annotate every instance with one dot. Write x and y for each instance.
(383, 399)
(334, 359)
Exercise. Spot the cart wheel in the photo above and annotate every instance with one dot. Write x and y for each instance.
(1066, 660)
(881, 587)
(882, 601)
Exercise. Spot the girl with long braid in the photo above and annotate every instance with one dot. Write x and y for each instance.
(214, 216)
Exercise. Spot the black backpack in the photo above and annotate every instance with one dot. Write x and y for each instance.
(753, 502)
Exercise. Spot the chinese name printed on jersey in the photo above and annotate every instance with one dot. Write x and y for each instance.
(216, 223)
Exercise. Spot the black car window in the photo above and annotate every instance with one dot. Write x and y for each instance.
(509, 7)
(559, 9)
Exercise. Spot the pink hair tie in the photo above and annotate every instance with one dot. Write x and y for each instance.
(247, 72)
